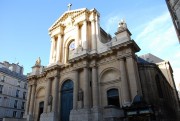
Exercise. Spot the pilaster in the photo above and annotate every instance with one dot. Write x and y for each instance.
(48, 87)
(75, 91)
(125, 85)
(28, 100)
(84, 35)
(95, 87)
(52, 49)
(59, 48)
(31, 107)
(77, 37)
(86, 89)
(55, 94)
(97, 28)
(93, 35)
(132, 76)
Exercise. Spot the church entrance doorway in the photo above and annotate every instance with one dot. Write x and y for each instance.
(66, 99)
(41, 108)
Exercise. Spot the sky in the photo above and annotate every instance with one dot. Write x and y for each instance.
(24, 27)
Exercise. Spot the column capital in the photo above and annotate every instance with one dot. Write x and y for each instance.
(93, 20)
(57, 76)
(121, 58)
(94, 65)
(85, 21)
(52, 38)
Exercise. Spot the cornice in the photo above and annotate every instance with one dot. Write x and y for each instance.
(32, 82)
(79, 58)
(110, 82)
(52, 68)
(127, 44)
(31, 77)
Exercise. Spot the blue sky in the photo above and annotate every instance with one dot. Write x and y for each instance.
(24, 27)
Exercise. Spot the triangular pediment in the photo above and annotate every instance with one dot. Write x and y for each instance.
(67, 15)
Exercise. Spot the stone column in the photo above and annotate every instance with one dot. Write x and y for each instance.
(55, 93)
(48, 87)
(77, 37)
(125, 86)
(132, 76)
(28, 100)
(86, 88)
(95, 87)
(84, 35)
(32, 99)
(75, 91)
(93, 36)
(97, 28)
(52, 48)
(58, 54)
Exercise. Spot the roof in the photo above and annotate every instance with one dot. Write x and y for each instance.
(140, 60)
(13, 74)
(151, 58)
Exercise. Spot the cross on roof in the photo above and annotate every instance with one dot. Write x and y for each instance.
(69, 6)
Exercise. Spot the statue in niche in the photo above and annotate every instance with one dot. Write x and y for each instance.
(122, 25)
(38, 61)
(50, 99)
(80, 95)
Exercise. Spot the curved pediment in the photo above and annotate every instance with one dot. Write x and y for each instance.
(67, 18)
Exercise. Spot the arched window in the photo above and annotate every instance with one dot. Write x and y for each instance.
(71, 49)
(159, 88)
(113, 97)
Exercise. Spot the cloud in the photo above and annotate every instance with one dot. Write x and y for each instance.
(151, 26)
(159, 38)
(156, 36)
(112, 23)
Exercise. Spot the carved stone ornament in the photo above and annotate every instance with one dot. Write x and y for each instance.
(38, 61)
(122, 25)
(80, 95)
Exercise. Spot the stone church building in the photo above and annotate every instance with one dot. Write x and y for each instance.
(92, 76)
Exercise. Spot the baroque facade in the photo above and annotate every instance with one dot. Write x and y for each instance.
(94, 77)
(174, 9)
(13, 90)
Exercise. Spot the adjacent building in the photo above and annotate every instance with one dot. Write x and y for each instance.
(174, 9)
(13, 90)
(92, 76)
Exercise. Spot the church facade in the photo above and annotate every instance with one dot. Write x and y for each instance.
(94, 77)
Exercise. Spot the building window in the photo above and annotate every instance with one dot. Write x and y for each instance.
(0, 101)
(1, 89)
(24, 95)
(22, 106)
(17, 93)
(15, 104)
(159, 88)
(3, 78)
(25, 85)
(22, 113)
(71, 49)
(14, 113)
(113, 97)
(18, 83)
(7, 113)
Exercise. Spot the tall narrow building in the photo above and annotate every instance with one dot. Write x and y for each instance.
(13, 90)
(92, 76)
(174, 9)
